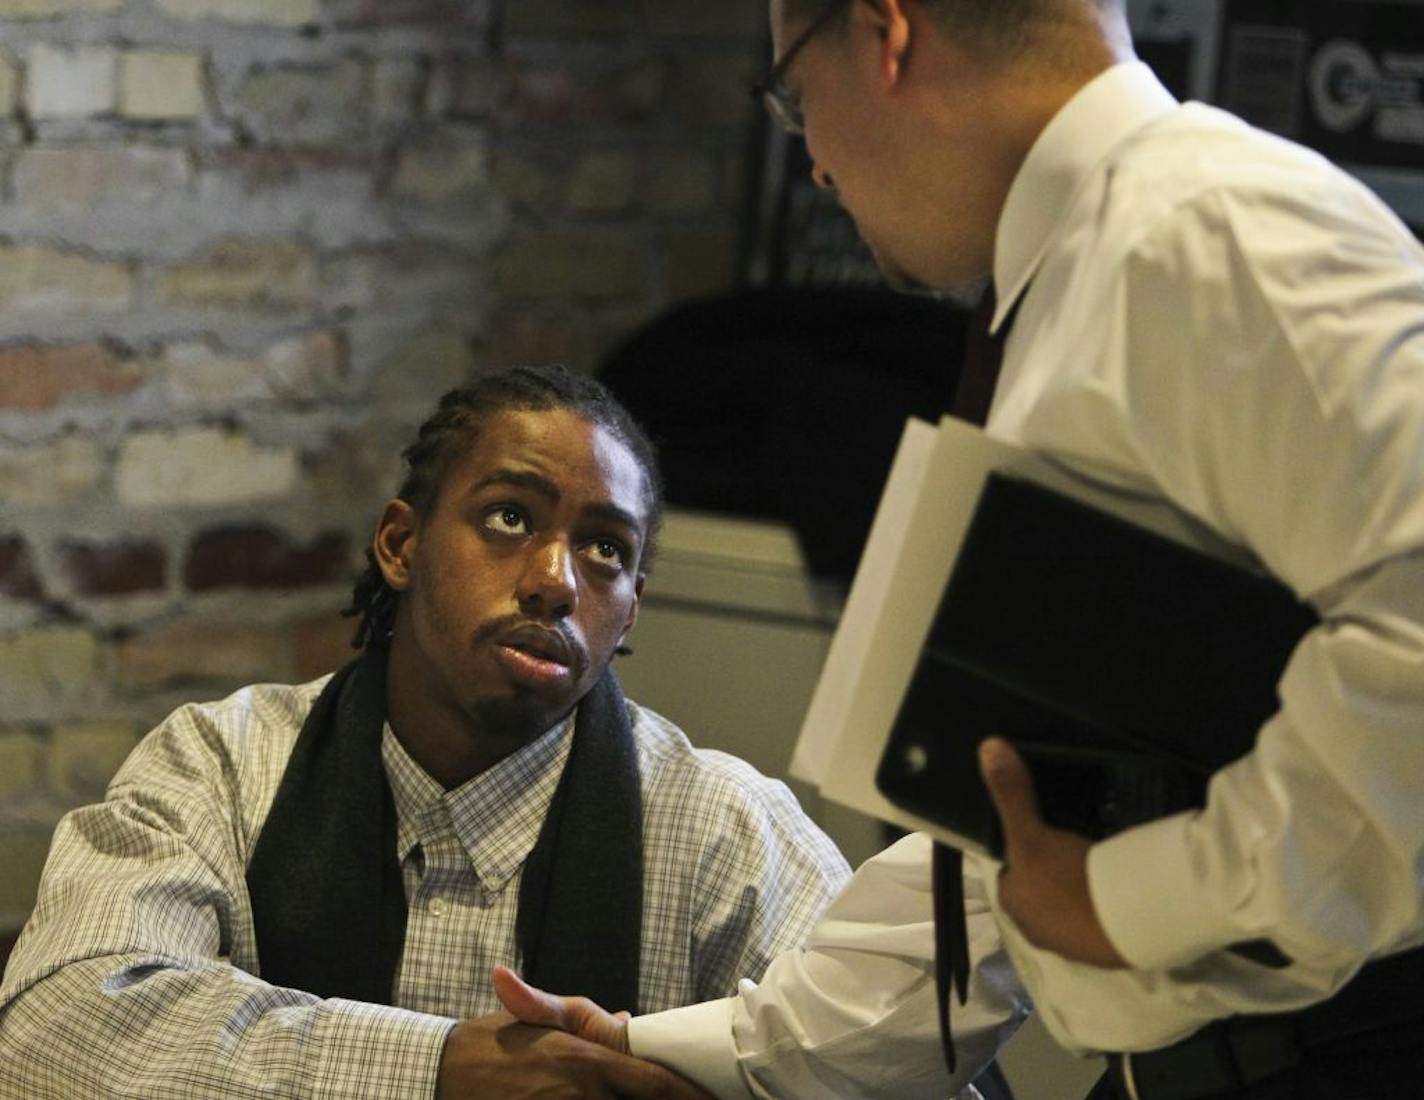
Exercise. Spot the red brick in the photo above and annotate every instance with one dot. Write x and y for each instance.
(261, 557)
(41, 377)
(119, 568)
(17, 570)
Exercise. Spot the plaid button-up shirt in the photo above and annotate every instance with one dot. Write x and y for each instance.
(137, 975)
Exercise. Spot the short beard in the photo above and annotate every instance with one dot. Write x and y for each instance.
(512, 722)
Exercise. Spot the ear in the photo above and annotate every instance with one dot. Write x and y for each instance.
(394, 543)
(892, 26)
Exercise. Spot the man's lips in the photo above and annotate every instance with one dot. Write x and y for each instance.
(537, 655)
(540, 642)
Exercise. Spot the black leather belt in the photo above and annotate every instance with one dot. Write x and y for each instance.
(1241, 1051)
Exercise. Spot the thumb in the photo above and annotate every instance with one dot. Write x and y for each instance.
(525, 1003)
(1011, 790)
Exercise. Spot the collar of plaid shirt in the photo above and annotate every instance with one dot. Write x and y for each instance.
(328, 903)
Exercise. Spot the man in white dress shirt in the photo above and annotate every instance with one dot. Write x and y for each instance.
(1204, 314)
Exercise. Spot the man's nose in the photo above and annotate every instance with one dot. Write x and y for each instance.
(548, 588)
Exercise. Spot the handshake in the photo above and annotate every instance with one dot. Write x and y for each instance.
(550, 1045)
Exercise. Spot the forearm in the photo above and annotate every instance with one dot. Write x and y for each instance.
(140, 1026)
(853, 1013)
(1314, 839)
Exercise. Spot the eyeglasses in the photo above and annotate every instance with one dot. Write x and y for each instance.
(783, 104)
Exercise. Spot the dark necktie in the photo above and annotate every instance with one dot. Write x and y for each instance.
(979, 372)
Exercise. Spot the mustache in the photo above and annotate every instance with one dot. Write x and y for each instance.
(495, 629)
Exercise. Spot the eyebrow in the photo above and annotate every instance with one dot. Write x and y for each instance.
(545, 487)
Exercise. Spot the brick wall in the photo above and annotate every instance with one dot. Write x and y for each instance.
(244, 244)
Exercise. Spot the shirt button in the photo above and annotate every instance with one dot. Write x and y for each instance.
(438, 907)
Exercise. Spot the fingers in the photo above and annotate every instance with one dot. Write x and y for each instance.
(524, 1002)
(576, 1015)
(640, 1080)
(1010, 789)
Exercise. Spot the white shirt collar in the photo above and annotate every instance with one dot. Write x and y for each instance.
(1104, 111)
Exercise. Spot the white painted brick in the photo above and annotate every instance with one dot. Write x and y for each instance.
(54, 472)
(282, 13)
(79, 176)
(159, 84)
(77, 83)
(49, 9)
(9, 86)
(38, 276)
(201, 466)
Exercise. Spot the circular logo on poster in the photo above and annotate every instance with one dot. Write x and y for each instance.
(1343, 79)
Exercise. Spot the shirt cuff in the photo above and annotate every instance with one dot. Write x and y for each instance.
(1149, 900)
(370, 1050)
(696, 1042)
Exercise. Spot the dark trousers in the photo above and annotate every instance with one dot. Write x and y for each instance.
(1365, 1043)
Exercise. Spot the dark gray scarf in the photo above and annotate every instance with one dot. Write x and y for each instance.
(328, 902)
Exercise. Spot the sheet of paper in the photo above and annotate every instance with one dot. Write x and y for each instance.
(821, 727)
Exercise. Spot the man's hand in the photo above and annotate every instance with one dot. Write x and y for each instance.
(1043, 885)
(576, 1015)
(497, 1056)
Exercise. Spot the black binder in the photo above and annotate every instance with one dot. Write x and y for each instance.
(1125, 667)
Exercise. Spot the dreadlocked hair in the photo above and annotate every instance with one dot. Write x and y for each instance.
(453, 427)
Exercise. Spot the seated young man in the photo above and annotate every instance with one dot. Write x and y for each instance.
(301, 890)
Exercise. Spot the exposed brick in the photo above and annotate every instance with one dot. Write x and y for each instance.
(601, 183)
(17, 570)
(525, 337)
(53, 472)
(162, 84)
(198, 375)
(33, 275)
(22, 858)
(78, 83)
(589, 265)
(79, 176)
(314, 105)
(628, 92)
(19, 764)
(434, 361)
(559, 17)
(321, 645)
(37, 378)
(49, 9)
(260, 274)
(210, 654)
(452, 166)
(305, 368)
(83, 758)
(201, 466)
(397, 88)
(467, 86)
(699, 262)
(680, 182)
(282, 13)
(726, 18)
(119, 568)
(261, 557)
(709, 90)
(523, 180)
(301, 370)
(46, 671)
(9, 86)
